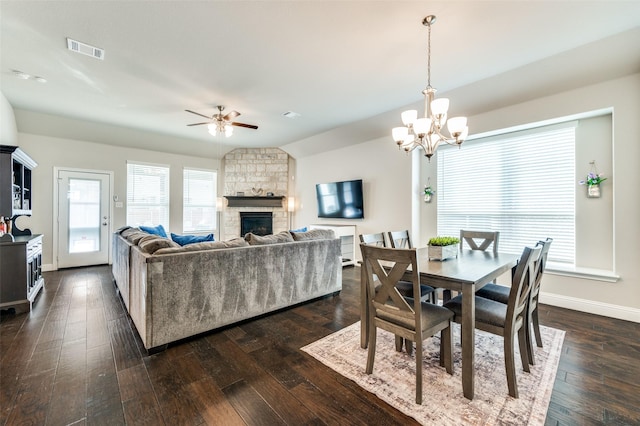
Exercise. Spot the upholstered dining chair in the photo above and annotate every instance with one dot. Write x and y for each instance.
(404, 287)
(500, 294)
(406, 317)
(507, 319)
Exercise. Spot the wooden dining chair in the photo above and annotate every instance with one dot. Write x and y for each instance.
(409, 318)
(508, 319)
(400, 239)
(479, 240)
(405, 287)
(373, 239)
(500, 294)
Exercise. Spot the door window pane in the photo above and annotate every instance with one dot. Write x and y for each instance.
(84, 215)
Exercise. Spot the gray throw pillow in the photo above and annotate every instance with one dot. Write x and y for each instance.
(257, 240)
(153, 244)
(314, 234)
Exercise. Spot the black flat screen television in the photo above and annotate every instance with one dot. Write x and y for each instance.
(340, 200)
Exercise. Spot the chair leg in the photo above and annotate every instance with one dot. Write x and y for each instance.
(372, 348)
(446, 295)
(529, 339)
(510, 365)
(408, 345)
(524, 347)
(536, 327)
(446, 348)
(419, 370)
(399, 341)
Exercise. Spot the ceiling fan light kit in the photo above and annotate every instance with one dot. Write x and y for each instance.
(425, 132)
(221, 124)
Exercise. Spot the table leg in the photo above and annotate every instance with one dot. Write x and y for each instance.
(364, 309)
(468, 340)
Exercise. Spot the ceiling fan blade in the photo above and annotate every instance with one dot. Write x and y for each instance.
(197, 113)
(248, 126)
(231, 116)
(198, 124)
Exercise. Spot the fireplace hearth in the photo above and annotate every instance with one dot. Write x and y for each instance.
(258, 223)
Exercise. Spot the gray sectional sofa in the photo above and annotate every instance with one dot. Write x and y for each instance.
(172, 292)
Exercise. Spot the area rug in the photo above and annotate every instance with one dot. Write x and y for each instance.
(393, 377)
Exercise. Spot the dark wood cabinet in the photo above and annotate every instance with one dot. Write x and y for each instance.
(20, 252)
(15, 182)
(20, 271)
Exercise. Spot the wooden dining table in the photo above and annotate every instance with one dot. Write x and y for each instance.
(467, 273)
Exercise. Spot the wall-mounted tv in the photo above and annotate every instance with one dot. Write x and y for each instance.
(340, 200)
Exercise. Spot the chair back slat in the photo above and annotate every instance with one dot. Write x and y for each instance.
(521, 284)
(390, 266)
(374, 239)
(400, 239)
(479, 240)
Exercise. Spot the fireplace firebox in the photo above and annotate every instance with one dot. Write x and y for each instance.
(258, 223)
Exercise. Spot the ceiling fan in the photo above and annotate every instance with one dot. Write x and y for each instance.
(219, 123)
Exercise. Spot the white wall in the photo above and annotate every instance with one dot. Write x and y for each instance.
(385, 173)
(8, 130)
(51, 152)
(389, 190)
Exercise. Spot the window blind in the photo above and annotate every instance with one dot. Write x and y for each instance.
(147, 195)
(521, 184)
(199, 202)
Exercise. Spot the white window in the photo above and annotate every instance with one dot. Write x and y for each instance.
(521, 184)
(199, 205)
(147, 195)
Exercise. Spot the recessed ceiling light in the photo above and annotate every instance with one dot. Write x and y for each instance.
(20, 74)
(291, 114)
(40, 79)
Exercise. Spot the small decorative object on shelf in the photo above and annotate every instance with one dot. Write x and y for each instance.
(593, 181)
(442, 248)
(256, 191)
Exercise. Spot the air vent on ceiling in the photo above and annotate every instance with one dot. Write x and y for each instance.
(85, 49)
(291, 114)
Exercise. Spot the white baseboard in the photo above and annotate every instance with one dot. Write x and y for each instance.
(48, 267)
(605, 309)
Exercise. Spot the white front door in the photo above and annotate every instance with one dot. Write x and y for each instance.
(83, 218)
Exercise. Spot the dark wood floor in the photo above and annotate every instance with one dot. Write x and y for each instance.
(75, 359)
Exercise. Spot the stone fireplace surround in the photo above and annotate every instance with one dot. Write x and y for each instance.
(248, 170)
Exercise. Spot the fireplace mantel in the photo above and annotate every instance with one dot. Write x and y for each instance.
(234, 201)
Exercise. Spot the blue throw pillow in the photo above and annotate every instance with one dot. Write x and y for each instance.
(155, 230)
(304, 229)
(183, 240)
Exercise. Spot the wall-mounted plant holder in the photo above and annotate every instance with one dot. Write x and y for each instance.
(592, 181)
(593, 191)
(428, 191)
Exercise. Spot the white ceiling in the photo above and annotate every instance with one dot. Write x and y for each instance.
(340, 64)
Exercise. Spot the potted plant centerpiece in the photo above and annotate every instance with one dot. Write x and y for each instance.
(441, 248)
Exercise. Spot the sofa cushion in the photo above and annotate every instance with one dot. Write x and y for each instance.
(156, 230)
(257, 240)
(208, 245)
(135, 237)
(151, 244)
(314, 234)
(183, 240)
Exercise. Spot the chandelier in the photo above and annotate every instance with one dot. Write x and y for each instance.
(426, 132)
